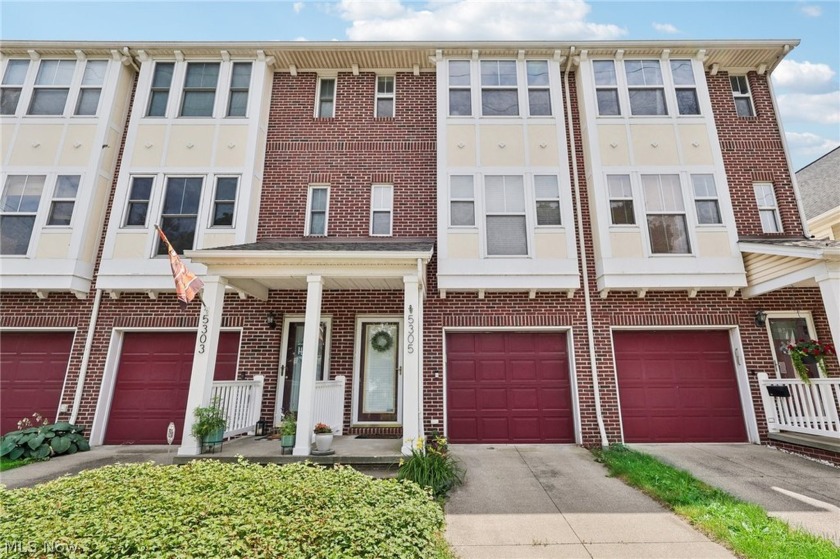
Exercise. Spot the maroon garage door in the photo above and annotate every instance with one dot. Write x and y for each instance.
(678, 387)
(153, 381)
(507, 387)
(32, 370)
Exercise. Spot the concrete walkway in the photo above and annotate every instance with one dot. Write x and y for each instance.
(549, 501)
(802, 492)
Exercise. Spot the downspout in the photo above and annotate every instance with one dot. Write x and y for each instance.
(590, 332)
(80, 382)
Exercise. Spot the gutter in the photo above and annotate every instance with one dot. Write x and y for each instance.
(80, 382)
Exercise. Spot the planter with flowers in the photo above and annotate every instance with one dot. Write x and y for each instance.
(807, 352)
(323, 437)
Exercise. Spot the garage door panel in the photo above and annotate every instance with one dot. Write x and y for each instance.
(552, 370)
(524, 399)
(489, 371)
(460, 370)
(520, 343)
(555, 400)
(494, 429)
(488, 343)
(490, 399)
(522, 370)
(462, 399)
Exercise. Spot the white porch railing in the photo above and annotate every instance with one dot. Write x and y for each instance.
(329, 403)
(812, 408)
(241, 401)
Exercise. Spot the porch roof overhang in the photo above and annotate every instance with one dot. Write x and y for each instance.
(361, 264)
(773, 264)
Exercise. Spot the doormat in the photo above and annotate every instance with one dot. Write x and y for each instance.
(380, 436)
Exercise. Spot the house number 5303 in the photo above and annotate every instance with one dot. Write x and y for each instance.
(202, 334)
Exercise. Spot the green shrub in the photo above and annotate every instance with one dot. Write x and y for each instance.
(213, 509)
(43, 442)
(431, 466)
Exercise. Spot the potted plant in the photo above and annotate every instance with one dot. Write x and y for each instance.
(323, 437)
(806, 352)
(288, 429)
(210, 423)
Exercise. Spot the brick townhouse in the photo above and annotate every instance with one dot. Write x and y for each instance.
(505, 242)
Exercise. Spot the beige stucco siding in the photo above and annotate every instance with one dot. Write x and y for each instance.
(626, 244)
(654, 144)
(612, 142)
(713, 244)
(463, 245)
(460, 146)
(502, 145)
(543, 150)
(78, 145)
(550, 244)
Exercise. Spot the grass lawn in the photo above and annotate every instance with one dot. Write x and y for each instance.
(12, 464)
(744, 528)
(212, 509)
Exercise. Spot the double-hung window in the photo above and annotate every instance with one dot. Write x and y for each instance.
(381, 209)
(665, 211)
(240, 81)
(316, 214)
(539, 96)
(768, 210)
(460, 97)
(645, 87)
(499, 95)
(138, 201)
(91, 88)
(621, 200)
(685, 87)
(161, 83)
(506, 226)
(547, 196)
(18, 208)
(12, 85)
(200, 89)
(179, 216)
(706, 199)
(741, 94)
(224, 201)
(606, 88)
(325, 107)
(64, 199)
(385, 96)
(461, 201)
(52, 86)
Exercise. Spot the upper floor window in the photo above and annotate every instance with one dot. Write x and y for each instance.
(200, 89)
(139, 194)
(539, 96)
(606, 88)
(316, 214)
(325, 107)
(461, 201)
(741, 94)
(91, 87)
(161, 83)
(52, 86)
(179, 215)
(224, 201)
(547, 196)
(621, 200)
(460, 101)
(706, 199)
(684, 87)
(385, 96)
(18, 208)
(240, 81)
(506, 227)
(499, 95)
(381, 209)
(665, 211)
(645, 87)
(64, 199)
(768, 210)
(12, 85)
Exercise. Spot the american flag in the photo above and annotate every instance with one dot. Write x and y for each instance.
(187, 284)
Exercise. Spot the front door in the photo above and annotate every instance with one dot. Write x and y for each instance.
(379, 372)
(786, 330)
(292, 360)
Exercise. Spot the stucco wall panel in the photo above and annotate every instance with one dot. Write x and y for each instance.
(654, 144)
(149, 144)
(460, 146)
(78, 145)
(231, 146)
(502, 145)
(190, 145)
(36, 144)
(550, 245)
(612, 142)
(543, 150)
(463, 245)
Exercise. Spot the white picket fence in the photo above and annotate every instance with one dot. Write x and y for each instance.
(241, 401)
(812, 408)
(329, 403)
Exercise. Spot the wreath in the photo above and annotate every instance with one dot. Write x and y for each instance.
(382, 341)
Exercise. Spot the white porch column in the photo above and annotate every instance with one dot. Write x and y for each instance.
(309, 366)
(204, 359)
(411, 404)
(830, 290)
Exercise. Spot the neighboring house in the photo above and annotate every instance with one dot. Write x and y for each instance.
(515, 242)
(819, 186)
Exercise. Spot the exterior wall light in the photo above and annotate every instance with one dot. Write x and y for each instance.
(760, 318)
(271, 320)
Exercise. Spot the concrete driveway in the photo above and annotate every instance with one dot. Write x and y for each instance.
(547, 501)
(802, 492)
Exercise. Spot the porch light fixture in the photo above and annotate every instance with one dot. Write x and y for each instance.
(760, 318)
(271, 320)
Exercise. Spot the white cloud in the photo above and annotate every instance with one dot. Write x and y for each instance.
(665, 28)
(297, 7)
(811, 10)
(392, 20)
(806, 146)
(803, 76)
(822, 108)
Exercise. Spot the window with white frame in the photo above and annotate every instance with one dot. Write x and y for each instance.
(460, 97)
(325, 106)
(18, 208)
(606, 88)
(741, 95)
(240, 82)
(179, 215)
(224, 201)
(685, 87)
(706, 199)
(52, 87)
(12, 85)
(63, 200)
(91, 87)
(161, 84)
(645, 87)
(385, 96)
(622, 211)
(768, 210)
(137, 208)
(539, 96)
(382, 210)
(665, 211)
(461, 201)
(547, 197)
(200, 83)
(506, 223)
(316, 213)
(499, 96)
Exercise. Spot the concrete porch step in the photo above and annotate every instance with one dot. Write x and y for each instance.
(802, 439)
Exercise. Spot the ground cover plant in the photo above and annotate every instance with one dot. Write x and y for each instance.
(744, 528)
(213, 509)
(12, 464)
